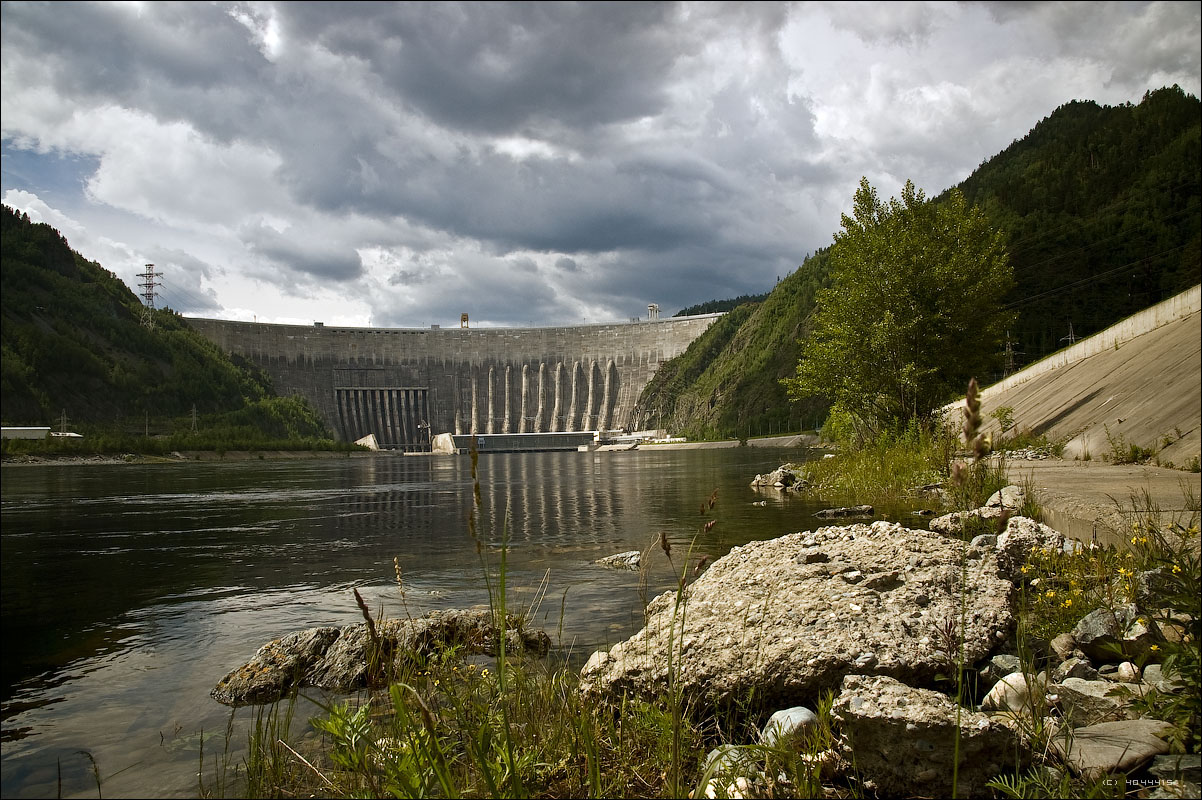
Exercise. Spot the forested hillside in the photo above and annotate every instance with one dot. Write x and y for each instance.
(73, 341)
(1101, 209)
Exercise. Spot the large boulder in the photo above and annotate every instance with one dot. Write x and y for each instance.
(791, 616)
(1109, 747)
(1113, 634)
(347, 658)
(903, 740)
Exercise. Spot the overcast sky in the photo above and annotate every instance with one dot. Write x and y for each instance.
(399, 164)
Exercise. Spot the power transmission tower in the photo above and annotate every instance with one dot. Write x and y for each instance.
(62, 425)
(1010, 354)
(194, 418)
(148, 283)
(1072, 337)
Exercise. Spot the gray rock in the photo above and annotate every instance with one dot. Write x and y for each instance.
(788, 722)
(1063, 645)
(1180, 775)
(1155, 675)
(1127, 672)
(1074, 668)
(1083, 702)
(758, 619)
(951, 524)
(843, 513)
(1009, 497)
(345, 659)
(1097, 750)
(780, 478)
(1023, 535)
(628, 560)
(903, 740)
(1106, 635)
(984, 540)
(999, 667)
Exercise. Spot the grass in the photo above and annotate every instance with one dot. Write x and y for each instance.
(886, 468)
(447, 726)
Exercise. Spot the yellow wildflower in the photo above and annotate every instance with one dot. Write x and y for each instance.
(1154, 647)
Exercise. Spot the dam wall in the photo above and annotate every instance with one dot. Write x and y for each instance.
(405, 384)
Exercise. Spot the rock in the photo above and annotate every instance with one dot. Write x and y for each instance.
(842, 513)
(1009, 497)
(1064, 645)
(1127, 673)
(761, 619)
(787, 722)
(984, 540)
(1106, 635)
(1097, 750)
(999, 667)
(781, 478)
(951, 524)
(1023, 535)
(903, 740)
(1016, 692)
(1168, 683)
(344, 659)
(1074, 668)
(1180, 775)
(736, 771)
(1083, 702)
(628, 560)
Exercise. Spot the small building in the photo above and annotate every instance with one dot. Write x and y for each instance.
(24, 432)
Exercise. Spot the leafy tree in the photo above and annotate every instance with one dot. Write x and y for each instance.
(912, 312)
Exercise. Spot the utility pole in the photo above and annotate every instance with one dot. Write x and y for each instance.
(1010, 354)
(194, 418)
(62, 425)
(148, 283)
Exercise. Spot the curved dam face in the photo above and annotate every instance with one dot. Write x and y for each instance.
(405, 384)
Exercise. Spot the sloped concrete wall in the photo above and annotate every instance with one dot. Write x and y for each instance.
(392, 381)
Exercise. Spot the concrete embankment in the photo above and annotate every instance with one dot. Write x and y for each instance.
(1136, 383)
(792, 440)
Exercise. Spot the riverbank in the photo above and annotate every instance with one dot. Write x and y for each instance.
(186, 456)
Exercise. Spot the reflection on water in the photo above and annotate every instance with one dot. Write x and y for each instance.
(128, 591)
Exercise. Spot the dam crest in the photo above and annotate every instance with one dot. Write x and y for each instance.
(407, 384)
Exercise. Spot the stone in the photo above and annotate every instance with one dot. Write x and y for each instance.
(1179, 774)
(1016, 692)
(1009, 497)
(1021, 537)
(788, 722)
(1063, 645)
(1084, 702)
(1167, 683)
(1074, 668)
(984, 540)
(759, 620)
(1127, 673)
(1106, 635)
(841, 513)
(903, 739)
(999, 667)
(951, 524)
(780, 478)
(345, 659)
(1108, 747)
(628, 560)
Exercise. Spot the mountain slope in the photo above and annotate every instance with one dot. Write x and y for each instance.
(1101, 208)
(72, 341)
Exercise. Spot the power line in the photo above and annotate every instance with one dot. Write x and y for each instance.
(1091, 278)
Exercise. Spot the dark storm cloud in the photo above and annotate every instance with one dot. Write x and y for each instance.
(316, 258)
(495, 67)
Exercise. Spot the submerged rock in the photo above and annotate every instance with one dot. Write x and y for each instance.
(791, 616)
(628, 560)
(345, 659)
(849, 511)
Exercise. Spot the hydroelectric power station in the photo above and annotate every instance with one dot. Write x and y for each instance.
(407, 384)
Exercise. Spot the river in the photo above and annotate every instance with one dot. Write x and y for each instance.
(130, 590)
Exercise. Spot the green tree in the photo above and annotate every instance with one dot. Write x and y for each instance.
(913, 310)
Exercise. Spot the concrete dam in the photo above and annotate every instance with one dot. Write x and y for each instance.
(405, 385)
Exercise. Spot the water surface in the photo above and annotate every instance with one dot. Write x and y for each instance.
(130, 590)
